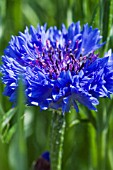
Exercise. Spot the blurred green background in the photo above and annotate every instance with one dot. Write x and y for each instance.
(22, 141)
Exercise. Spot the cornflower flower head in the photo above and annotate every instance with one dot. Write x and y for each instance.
(60, 68)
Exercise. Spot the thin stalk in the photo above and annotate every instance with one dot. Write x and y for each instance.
(101, 137)
(108, 20)
(69, 12)
(101, 14)
(57, 140)
(101, 150)
(92, 148)
(110, 144)
(19, 142)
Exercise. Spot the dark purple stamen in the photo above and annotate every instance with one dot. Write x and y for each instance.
(54, 60)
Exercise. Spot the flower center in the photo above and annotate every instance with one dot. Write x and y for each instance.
(53, 60)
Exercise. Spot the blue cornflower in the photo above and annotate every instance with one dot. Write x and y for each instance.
(60, 68)
(43, 162)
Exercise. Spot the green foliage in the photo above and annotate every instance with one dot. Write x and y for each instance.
(24, 131)
(6, 130)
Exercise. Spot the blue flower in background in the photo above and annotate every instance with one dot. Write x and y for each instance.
(60, 68)
(43, 162)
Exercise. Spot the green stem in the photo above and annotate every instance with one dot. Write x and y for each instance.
(92, 148)
(101, 149)
(69, 12)
(101, 137)
(57, 140)
(101, 14)
(110, 144)
(98, 150)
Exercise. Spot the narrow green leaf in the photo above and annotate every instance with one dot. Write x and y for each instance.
(18, 145)
(108, 21)
(30, 15)
(6, 128)
(7, 117)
